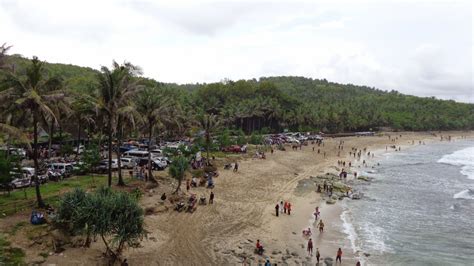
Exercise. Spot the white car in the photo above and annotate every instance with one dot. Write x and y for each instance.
(104, 165)
(20, 182)
(128, 162)
(79, 150)
(64, 168)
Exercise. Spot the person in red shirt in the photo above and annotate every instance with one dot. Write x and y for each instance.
(339, 255)
(259, 247)
(285, 207)
(289, 208)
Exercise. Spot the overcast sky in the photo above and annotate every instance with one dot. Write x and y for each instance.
(419, 47)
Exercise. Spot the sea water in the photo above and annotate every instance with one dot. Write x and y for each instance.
(419, 210)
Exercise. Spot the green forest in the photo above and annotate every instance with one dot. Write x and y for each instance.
(271, 104)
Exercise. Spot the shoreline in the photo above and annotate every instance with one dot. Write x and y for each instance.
(348, 227)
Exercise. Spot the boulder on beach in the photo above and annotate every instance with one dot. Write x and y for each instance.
(364, 178)
(339, 186)
(331, 201)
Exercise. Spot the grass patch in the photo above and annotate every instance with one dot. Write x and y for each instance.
(17, 227)
(51, 193)
(10, 255)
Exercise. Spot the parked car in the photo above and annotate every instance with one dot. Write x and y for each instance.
(104, 165)
(156, 164)
(20, 182)
(64, 168)
(19, 152)
(138, 154)
(79, 150)
(127, 147)
(128, 162)
(29, 172)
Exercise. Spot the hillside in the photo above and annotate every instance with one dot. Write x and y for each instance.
(272, 104)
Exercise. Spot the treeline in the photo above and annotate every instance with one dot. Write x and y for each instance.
(272, 104)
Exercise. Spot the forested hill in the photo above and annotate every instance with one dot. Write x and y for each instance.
(271, 104)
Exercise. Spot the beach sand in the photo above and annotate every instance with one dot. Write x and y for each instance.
(226, 232)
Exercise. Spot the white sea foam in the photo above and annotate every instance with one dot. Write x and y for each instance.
(465, 194)
(463, 158)
(349, 229)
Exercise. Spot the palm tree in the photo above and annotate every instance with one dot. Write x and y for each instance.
(33, 93)
(209, 123)
(153, 108)
(178, 168)
(115, 87)
(3, 56)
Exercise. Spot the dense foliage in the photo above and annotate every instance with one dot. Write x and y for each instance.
(114, 216)
(296, 103)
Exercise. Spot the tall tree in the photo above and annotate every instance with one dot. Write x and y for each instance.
(153, 106)
(33, 93)
(178, 168)
(209, 123)
(115, 86)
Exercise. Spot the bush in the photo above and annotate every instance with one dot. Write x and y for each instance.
(114, 216)
(256, 139)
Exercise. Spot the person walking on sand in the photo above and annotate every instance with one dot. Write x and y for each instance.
(277, 208)
(321, 226)
(339, 255)
(289, 208)
(236, 167)
(211, 198)
(285, 207)
(318, 255)
(281, 206)
(310, 247)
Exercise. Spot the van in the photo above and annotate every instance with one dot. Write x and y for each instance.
(136, 154)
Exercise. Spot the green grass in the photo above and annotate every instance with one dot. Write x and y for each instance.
(10, 255)
(50, 192)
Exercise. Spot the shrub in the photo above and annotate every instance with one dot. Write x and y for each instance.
(114, 216)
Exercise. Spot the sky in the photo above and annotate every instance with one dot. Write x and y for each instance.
(416, 47)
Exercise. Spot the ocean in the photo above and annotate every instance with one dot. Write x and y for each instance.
(418, 210)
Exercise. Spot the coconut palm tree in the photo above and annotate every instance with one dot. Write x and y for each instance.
(153, 106)
(177, 169)
(3, 56)
(209, 123)
(33, 93)
(116, 86)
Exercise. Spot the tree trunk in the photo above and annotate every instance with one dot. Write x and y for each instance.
(109, 171)
(60, 138)
(50, 138)
(78, 137)
(39, 199)
(150, 170)
(119, 163)
(208, 144)
(179, 185)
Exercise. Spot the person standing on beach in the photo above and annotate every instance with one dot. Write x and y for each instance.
(321, 226)
(236, 167)
(310, 247)
(211, 198)
(339, 255)
(281, 206)
(277, 208)
(285, 206)
(289, 208)
(318, 255)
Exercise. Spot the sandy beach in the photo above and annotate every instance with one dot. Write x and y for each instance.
(225, 233)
